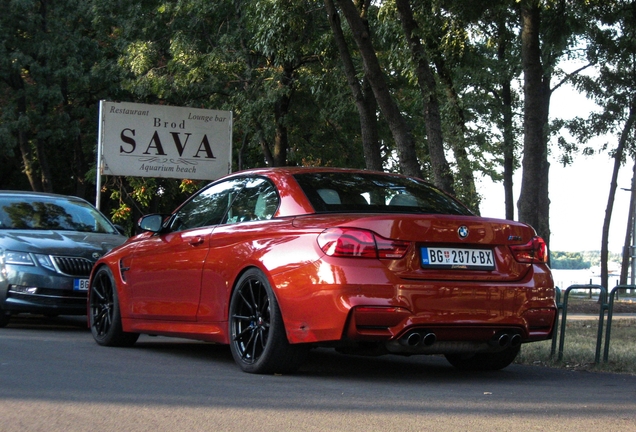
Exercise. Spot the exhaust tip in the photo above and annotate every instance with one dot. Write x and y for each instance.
(429, 339)
(418, 338)
(515, 340)
(413, 339)
(502, 340)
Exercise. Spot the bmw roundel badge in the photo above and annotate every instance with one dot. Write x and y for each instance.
(462, 231)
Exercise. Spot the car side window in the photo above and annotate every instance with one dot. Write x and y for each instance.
(207, 207)
(257, 201)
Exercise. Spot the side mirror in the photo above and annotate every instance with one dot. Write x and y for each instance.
(152, 223)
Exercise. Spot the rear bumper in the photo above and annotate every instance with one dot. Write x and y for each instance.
(367, 303)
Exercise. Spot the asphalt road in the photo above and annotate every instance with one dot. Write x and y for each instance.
(53, 377)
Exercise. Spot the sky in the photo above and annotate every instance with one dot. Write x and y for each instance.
(578, 193)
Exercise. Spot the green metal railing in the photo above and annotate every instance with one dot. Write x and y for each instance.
(564, 314)
(604, 305)
(610, 313)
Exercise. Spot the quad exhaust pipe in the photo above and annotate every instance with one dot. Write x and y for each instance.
(504, 340)
(423, 338)
(416, 338)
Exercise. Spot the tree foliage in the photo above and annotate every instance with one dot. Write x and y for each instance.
(53, 72)
(611, 45)
(450, 91)
(569, 261)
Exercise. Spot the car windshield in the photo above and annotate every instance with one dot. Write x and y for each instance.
(373, 193)
(37, 213)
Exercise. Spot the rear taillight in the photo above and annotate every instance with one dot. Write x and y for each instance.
(354, 242)
(391, 249)
(532, 252)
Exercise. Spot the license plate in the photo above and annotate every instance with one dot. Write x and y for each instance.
(482, 259)
(80, 285)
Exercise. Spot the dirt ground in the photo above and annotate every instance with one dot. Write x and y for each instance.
(591, 306)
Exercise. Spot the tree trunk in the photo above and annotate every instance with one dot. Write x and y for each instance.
(618, 157)
(281, 110)
(43, 161)
(45, 170)
(370, 129)
(508, 146)
(534, 203)
(267, 153)
(627, 247)
(442, 175)
(241, 152)
(17, 84)
(79, 168)
(29, 169)
(402, 135)
(508, 151)
(365, 102)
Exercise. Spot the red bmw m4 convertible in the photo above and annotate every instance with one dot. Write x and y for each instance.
(276, 261)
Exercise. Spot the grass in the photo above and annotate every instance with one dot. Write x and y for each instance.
(579, 348)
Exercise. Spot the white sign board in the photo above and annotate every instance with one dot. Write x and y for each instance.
(140, 140)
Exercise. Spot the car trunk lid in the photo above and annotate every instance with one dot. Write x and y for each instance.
(443, 247)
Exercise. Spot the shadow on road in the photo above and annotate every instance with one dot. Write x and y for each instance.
(53, 323)
(321, 363)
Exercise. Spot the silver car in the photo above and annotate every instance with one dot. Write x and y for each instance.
(48, 245)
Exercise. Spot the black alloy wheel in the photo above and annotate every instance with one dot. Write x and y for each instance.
(104, 314)
(257, 334)
(4, 318)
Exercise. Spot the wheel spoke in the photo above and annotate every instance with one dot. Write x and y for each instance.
(242, 333)
(99, 321)
(255, 296)
(103, 319)
(246, 302)
(99, 288)
(254, 346)
(249, 346)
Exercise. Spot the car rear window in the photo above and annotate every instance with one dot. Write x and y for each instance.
(373, 193)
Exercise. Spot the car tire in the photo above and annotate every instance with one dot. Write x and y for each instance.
(4, 318)
(484, 361)
(104, 313)
(257, 333)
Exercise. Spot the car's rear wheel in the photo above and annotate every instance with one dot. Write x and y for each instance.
(4, 318)
(257, 334)
(484, 361)
(104, 314)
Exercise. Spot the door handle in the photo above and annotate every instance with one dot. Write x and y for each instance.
(196, 241)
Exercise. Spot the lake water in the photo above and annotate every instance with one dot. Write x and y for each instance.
(565, 278)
